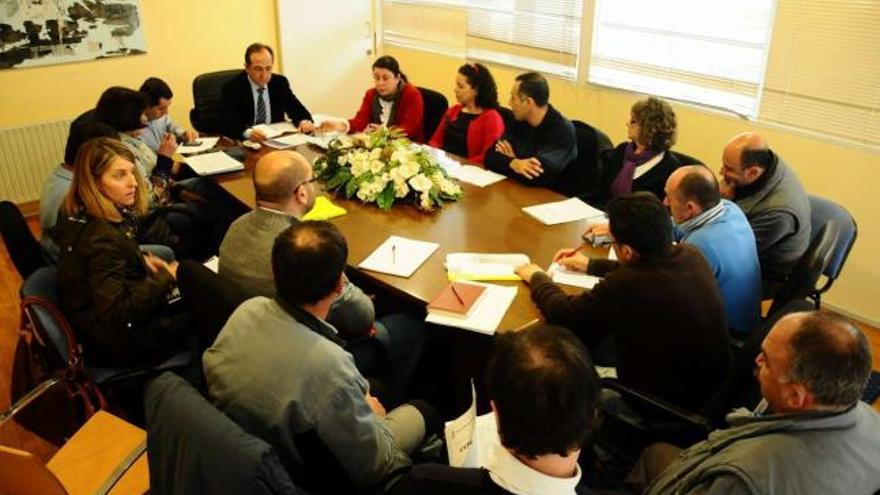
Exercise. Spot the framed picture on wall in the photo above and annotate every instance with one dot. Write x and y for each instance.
(43, 32)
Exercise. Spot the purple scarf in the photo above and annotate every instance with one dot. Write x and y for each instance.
(622, 184)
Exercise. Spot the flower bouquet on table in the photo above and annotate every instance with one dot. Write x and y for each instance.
(382, 167)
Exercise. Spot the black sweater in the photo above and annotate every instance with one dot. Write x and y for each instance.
(666, 318)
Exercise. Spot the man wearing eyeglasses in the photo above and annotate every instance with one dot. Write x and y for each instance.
(285, 188)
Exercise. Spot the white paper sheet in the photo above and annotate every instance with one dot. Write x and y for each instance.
(285, 142)
(275, 129)
(481, 266)
(217, 162)
(477, 176)
(213, 263)
(568, 277)
(612, 254)
(399, 256)
(471, 439)
(487, 314)
(569, 210)
(320, 118)
(322, 141)
(205, 143)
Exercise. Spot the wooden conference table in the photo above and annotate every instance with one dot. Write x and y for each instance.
(485, 220)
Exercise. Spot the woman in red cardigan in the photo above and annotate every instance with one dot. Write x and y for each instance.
(393, 102)
(471, 127)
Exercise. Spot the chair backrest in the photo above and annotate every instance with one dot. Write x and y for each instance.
(685, 159)
(207, 114)
(40, 306)
(583, 174)
(435, 105)
(506, 116)
(211, 299)
(22, 473)
(801, 282)
(195, 448)
(23, 248)
(823, 210)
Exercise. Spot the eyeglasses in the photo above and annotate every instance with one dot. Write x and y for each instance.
(313, 179)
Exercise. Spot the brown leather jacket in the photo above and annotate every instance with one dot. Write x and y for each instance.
(117, 307)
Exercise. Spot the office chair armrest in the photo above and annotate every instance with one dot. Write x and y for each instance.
(679, 414)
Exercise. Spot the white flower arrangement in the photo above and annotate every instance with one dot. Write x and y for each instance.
(383, 166)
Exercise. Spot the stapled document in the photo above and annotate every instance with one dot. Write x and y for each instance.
(480, 266)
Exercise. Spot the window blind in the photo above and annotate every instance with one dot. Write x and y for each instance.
(823, 73)
(711, 53)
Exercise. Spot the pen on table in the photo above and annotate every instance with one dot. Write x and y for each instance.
(393, 253)
(457, 295)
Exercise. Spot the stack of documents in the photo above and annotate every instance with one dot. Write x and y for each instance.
(466, 173)
(205, 143)
(276, 129)
(399, 256)
(487, 313)
(477, 266)
(568, 277)
(217, 162)
(570, 210)
(471, 439)
(285, 142)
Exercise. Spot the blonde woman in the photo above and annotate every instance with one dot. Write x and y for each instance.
(115, 296)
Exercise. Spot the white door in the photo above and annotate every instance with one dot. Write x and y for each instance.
(327, 49)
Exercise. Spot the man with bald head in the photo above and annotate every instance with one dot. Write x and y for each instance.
(774, 201)
(813, 437)
(720, 231)
(285, 191)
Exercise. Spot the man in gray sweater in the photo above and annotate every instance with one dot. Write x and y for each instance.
(818, 439)
(279, 370)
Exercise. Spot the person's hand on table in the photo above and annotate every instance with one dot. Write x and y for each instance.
(154, 264)
(306, 127)
(530, 168)
(575, 262)
(598, 230)
(332, 126)
(375, 405)
(190, 136)
(526, 271)
(257, 136)
(168, 145)
(504, 148)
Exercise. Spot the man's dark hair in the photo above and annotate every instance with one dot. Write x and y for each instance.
(758, 157)
(81, 133)
(307, 260)
(701, 188)
(831, 357)
(156, 89)
(640, 221)
(479, 78)
(535, 86)
(121, 108)
(545, 390)
(256, 47)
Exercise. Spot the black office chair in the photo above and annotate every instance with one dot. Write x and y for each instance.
(801, 282)
(210, 298)
(435, 106)
(207, 114)
(824, 210)
(40, 312)
(195, 448)
(25, 251)
(582, 176)
(673, 424)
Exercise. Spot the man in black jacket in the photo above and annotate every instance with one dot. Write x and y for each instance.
(246, 101)
(659, 304)
(541, 143)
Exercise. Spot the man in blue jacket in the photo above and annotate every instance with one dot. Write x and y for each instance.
(720, 230)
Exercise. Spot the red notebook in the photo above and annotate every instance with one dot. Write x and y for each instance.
(456, 299)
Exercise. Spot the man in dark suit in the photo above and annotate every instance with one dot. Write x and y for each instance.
(246, 101)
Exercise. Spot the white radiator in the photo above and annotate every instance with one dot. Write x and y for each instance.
(27, 156)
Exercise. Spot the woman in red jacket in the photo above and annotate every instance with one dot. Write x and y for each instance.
(471, 127)
(393, 102)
